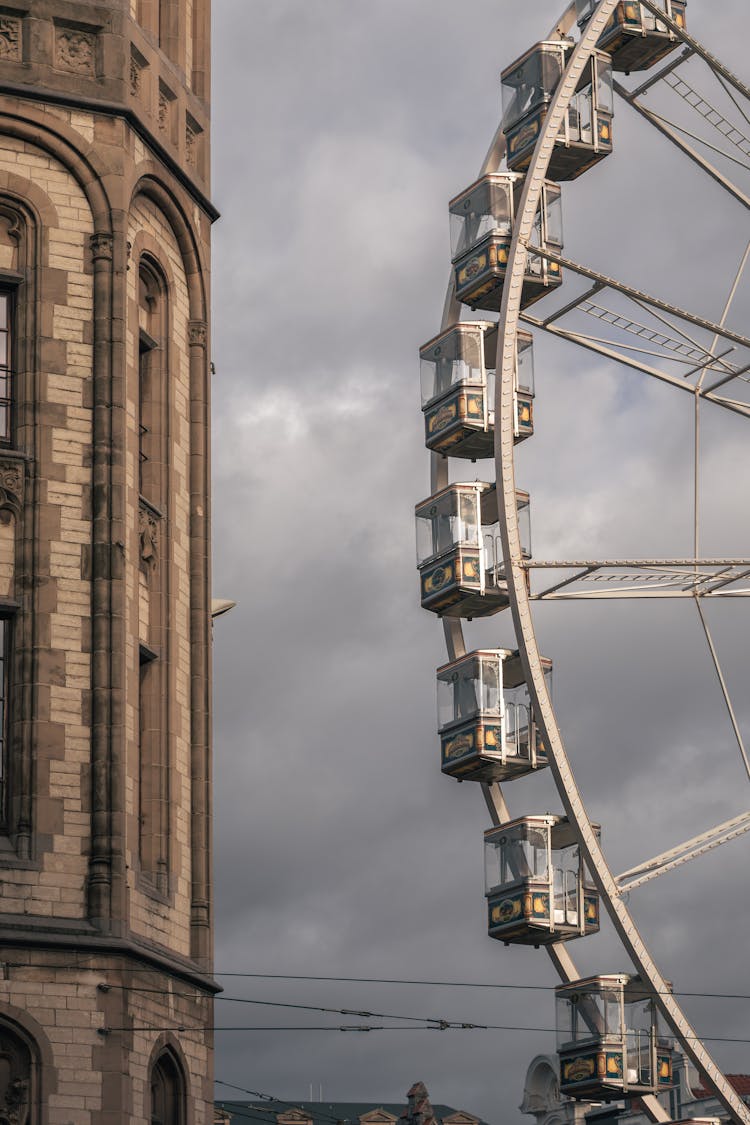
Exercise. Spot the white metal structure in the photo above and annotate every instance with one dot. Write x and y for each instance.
(707, 372)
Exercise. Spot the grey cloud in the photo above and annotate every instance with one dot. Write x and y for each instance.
(341, 130)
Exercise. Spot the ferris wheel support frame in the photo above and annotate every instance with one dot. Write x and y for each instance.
(521, 606)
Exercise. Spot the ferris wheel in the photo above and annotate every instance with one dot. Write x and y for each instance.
(547, 877)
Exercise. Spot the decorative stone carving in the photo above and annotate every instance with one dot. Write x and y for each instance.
(191, 145)
(163, 114)
(11, 217)
(101, 246)
(135, 77)
(10, 38)
(148, 533)
(11, 230)
(198, 333)
(12, 481)
(75, 51)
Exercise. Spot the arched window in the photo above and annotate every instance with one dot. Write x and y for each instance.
(151, 390)
(167, 1092)
(153, 477)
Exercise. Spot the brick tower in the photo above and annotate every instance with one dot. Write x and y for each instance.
(105, 885)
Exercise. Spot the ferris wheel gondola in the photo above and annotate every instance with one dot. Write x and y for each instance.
(547, 875)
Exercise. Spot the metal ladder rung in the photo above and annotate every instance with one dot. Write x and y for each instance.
(643, 332)
(709, 113)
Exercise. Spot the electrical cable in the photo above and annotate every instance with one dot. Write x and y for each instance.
(441, 1026)
(359, 980)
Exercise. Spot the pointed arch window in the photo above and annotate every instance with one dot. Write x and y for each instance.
(6, 364)
(153, 477)
(151, 320)
(167, 1092)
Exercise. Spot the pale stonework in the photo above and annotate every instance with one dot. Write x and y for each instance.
(79, 918)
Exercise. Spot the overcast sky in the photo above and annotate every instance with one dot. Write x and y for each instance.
(341, 130)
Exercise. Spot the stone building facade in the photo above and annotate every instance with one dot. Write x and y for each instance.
(106, 994)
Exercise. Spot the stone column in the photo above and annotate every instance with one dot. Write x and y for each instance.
(200, 610)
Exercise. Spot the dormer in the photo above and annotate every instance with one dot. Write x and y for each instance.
(378, 1116)
(294, 1117)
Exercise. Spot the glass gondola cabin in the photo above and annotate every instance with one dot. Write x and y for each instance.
(634, 37)
(609, 1040)
(585, 136)
(459, 553)
(485, 719)
(458, 390)
(482, 220)
(538, 890)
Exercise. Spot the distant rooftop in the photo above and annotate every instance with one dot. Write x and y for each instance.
(739, 1082)
(331, 1113)
(417, 1111)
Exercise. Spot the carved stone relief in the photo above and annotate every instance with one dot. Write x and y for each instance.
(75, 51)
(198, 333)
(101, 246)
(10, 38)
(148, 533)
(163, 112)
(135, 77)
(191, 145)
(12, 479)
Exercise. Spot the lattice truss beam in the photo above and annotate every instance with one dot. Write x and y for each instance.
(673, 345)
(702, 108)
(643, 578)
(691, 849)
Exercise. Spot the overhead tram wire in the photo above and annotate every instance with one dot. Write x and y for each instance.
(454, 984)
(495, 985)
(361, 1014)
(367, 1028)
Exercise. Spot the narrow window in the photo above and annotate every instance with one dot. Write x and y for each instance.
(145, 434)
(167, 1092)
(153, 579)
(6, 365)
(6, 628)
(151, 773)
(150, 377)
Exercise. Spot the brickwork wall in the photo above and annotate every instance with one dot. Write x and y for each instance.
(89, 1077)
(165, 921)
(55, 886)
(98, 1028)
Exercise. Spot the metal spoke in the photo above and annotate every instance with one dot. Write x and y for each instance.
(693, 154)
(724, 689)
(610, 353)
(684, 55)
(730, 95)
(716, 65)
(644, 578)
(639, 295)
(691, 849)
(701, 140)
